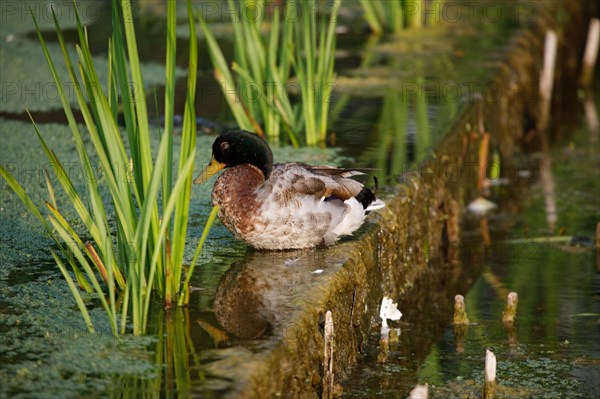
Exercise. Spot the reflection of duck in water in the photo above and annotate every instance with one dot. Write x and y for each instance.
(257, 295)
(283, 206)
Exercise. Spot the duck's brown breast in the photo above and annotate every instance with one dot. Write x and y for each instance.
(235, 192)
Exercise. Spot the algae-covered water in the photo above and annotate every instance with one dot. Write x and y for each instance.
(378, 120)
(45, 346)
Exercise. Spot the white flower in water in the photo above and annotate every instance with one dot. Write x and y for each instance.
(524, 173)
(388, 310)
(480, 206)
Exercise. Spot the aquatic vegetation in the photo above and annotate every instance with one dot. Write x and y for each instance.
(139, 254)
(295, 47)
(383, 15)
(174, 359)
(395, 15)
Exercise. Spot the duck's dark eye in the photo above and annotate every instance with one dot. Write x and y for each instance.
(224, 146)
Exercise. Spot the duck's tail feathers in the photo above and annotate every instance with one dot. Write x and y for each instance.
(365, 197)
(368, 200)
(377, 204)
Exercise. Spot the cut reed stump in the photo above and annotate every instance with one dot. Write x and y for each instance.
(384, 350)
(585, 82)
(387, 310)
(419, 392)
(547, 78)
(489, 383)
(484, 147)
(460, 313)
(591, 54)
(546, 89)
(509, 314)
(328, 388)
(393, 336)
(460, 322)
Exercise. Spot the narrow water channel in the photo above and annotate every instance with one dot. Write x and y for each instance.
(553, 351)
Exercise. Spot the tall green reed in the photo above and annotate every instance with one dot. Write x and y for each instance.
(383, 15)
(395, 15)
(293, 48)
(140, 255)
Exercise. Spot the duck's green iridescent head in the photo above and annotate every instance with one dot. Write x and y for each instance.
(238, 147)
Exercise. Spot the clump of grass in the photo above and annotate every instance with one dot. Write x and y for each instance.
(383, 15)
(395, 15)
(263, 64)
(141, 255)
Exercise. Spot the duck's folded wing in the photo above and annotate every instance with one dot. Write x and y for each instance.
(344, 172)
(321, 182)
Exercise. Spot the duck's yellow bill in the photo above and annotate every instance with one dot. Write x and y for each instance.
(212, 168)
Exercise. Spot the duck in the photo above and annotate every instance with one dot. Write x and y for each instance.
(283, 206)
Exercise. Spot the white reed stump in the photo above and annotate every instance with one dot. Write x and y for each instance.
(489, 383)
(419, 392)
(591, 54)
